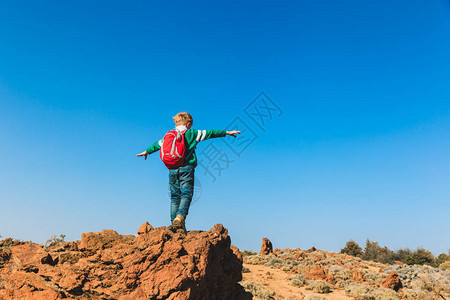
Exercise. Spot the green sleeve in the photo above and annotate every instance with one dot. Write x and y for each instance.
(203, 135)
(154, 147)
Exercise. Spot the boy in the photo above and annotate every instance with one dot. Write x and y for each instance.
(181, 180)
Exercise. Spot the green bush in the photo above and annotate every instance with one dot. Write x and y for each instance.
(401, 254)
(442, 258)
(352, 248)
(374, 252)
(420, 257)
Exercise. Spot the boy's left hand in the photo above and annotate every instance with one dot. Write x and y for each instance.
(233, 133)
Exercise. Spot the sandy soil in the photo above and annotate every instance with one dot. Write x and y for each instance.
(276, 281)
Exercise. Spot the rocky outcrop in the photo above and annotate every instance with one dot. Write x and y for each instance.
(266, 247)
(392, 282)
(312, 249)
(157, 264)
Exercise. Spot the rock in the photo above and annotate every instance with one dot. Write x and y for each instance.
(102, 240)
(71, 246)
(316, 273)
(300, 255)
(392, 282)
(47, 259)
(145, 228)
(266, 247)
(27, 256)
(4, 256)
(159, 264)
(357, 276)
(312, 249)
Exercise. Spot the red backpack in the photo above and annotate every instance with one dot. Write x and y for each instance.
(173, 148)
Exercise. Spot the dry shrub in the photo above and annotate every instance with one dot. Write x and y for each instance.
(258, 290)
(248, 253)
(373, 278)
(342, 284)
(359, 291)
(445, 265)
(298, 280)
(433, 285)
(291, 263)
(411, 294)
(314, 297)
(286, 269)
(257, 259)
(319, 286)
(384, 294)
(274, 262)
(285, 255)
(339, 272)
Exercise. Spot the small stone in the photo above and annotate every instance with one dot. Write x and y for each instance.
(145, 228)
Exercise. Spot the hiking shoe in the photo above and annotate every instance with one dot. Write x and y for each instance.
(178, 223)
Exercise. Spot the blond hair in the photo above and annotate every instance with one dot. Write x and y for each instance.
(182, 118)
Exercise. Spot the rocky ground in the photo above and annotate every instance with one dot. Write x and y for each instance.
(157, 264)
(160, 263)
(315, 274)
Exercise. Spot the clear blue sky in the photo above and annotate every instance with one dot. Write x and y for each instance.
(360, 150)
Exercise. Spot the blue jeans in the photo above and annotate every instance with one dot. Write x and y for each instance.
(181, 182)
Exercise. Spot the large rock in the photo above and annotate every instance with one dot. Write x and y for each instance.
(316, 273)
(392, 282)
(266, 247)
(157, 264)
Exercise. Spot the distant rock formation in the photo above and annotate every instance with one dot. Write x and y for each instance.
(157, 264)
(392, 282)
(266, 247)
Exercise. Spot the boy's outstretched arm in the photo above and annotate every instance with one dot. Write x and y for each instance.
(153, 148)
(202, 135)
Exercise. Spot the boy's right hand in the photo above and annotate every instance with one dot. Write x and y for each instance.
(233, 132)
(142, 154)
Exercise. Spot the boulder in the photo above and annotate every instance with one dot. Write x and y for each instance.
(392, 282)
(266, 247)
(157, 264)
(316, 273)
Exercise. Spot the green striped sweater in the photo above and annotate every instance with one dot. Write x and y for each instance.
(192, 138)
